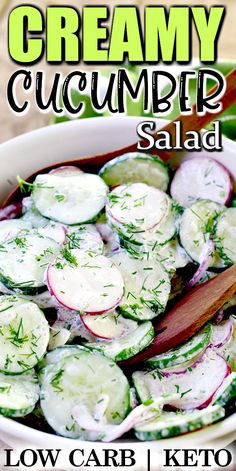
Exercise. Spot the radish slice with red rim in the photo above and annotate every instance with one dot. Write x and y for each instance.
(201, 178)
(85, 283)
(137, 205)
(221, 333)
(109, 326)
(196, 385)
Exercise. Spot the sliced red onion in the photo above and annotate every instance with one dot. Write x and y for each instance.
(196, 385)
(221, 333)
(10, 212)
(137, 416)
(206, 259)
(109, 236)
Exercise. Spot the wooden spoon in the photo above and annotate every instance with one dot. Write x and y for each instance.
(188, 123)
(189, 314)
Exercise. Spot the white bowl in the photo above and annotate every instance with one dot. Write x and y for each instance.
(26, 154)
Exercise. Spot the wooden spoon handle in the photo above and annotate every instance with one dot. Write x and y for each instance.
(188, 123)
(190, 314)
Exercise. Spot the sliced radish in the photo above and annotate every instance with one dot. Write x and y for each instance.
(221, 333)
(205, 263)
(110, 325)
(137, 205)
(10, 212)
(66, 171)
(196, 385)
(83, 283)
(201, 178)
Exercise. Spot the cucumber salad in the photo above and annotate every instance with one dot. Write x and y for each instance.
(88, 264)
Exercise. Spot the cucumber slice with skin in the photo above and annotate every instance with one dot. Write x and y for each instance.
(85, 237)
(31, 252)
(59, 353)
(136, 167)
(31, 215)
(24, 334)
(225, 236)
(91, 285)
(196, 384)
(89, 379)
(109, 326)
(171, 424)
(147, 286)
(186, 352)
(70, 200)
(170, 254)
(18, 396)
(127, 346)
(201, 178)
(141, 213)
(226, 392)
(197, 226)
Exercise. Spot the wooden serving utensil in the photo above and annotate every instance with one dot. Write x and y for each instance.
(189, 314)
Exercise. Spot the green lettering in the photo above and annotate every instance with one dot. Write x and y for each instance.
(208, 30)
(167, 33)
(94, 33)
(62, 38)
(23, 20)
(125, 36)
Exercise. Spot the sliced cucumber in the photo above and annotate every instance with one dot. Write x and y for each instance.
(171, 424)
(31, 215)
(85, 237)
(85, 283)
(87, 379)
(226, 392)
(109, 326)
(24, 334)
(127, 346)
(18, 396)
(170, 254)
(198, 226)
(69, 200)
(23, 261)
(136, 167)
(59, 353)
(141, 213)
(225, 237)
(186, 352)
(11, 227)
(195, 385)
(147, 286)
(201, 178)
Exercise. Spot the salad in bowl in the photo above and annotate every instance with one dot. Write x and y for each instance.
(89, 262)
